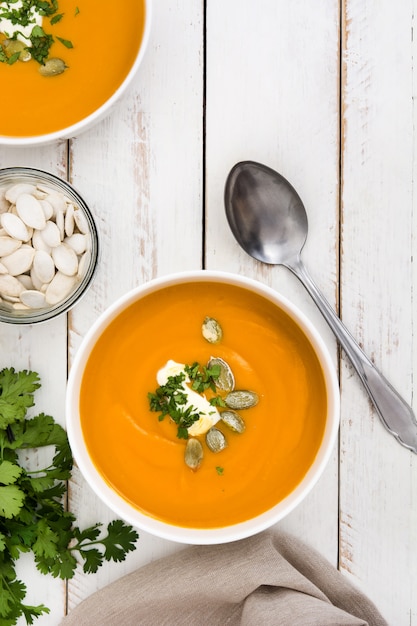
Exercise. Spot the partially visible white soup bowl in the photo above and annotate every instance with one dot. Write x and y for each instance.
(137, 306)
(105, 105)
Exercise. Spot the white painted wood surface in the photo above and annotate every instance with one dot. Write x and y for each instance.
(323, 92)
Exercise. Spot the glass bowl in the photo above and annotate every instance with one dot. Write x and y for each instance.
(48, 246)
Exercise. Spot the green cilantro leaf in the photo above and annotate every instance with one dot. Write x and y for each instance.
(9, 472)
(46, 541)
(11, 500)
(16, 394)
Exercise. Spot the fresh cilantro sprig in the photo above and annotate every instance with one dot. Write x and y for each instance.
(170, 399)
(32, 514)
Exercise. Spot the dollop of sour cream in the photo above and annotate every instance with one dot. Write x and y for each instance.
(209, 415)
(23, 32)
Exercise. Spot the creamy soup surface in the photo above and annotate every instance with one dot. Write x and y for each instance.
(105, 36)
(142, 458)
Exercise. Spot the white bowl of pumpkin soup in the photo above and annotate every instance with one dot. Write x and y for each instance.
(64, 64)
(202, 407)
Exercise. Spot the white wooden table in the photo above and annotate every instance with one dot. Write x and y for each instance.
(323, 92)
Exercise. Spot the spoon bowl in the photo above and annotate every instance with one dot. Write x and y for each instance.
(269, 221)
(276, 231)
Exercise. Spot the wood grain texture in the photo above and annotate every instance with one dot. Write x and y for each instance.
(377, 304)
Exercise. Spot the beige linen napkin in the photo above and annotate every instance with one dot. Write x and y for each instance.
(269, 579)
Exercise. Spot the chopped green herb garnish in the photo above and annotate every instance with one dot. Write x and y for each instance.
(56, 18)
(169, 399)
(77, 10)
(202, 378)
(217, 401)
(220, 470)
(65, 42)
(39, 42)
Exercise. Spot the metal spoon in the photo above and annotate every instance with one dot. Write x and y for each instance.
(269, 221)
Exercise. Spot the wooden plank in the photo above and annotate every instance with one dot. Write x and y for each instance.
(378, 540)
(23, 347)
(276, 101)
(145, 190)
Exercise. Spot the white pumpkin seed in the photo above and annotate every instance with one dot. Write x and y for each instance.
(77, 242)
(30, 211)
(60, 222)
(19, 261)
(83, 264)
(47, 208)
(19, 306)
(33, 299)
(57, 201)
(38, 242)
(6, 306)
(12, 299)
(44, 266)
(4, 204)
(69, 220)
(36, 281)
(26, 281)
(13, 192)
(14, 226)
(65, 259)
(8, 245)
(81, 221)
(59, 288)
(10, 286)
(39, 193)
(3, 269)
(50, 234)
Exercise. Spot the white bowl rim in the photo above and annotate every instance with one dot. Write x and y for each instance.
(98, 114)
(182, 534)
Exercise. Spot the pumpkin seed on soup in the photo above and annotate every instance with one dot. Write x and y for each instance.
(52, 67)
(211, 330)
(241, 399)
(193, 453)
(233, 420)
(215, 440)
(226, 379)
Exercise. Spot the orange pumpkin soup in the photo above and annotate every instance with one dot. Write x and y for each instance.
(105, 37)
(142, 458)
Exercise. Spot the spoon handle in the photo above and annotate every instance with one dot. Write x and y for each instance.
(396, 415)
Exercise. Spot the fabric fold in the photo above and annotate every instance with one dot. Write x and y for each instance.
(269, 579)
